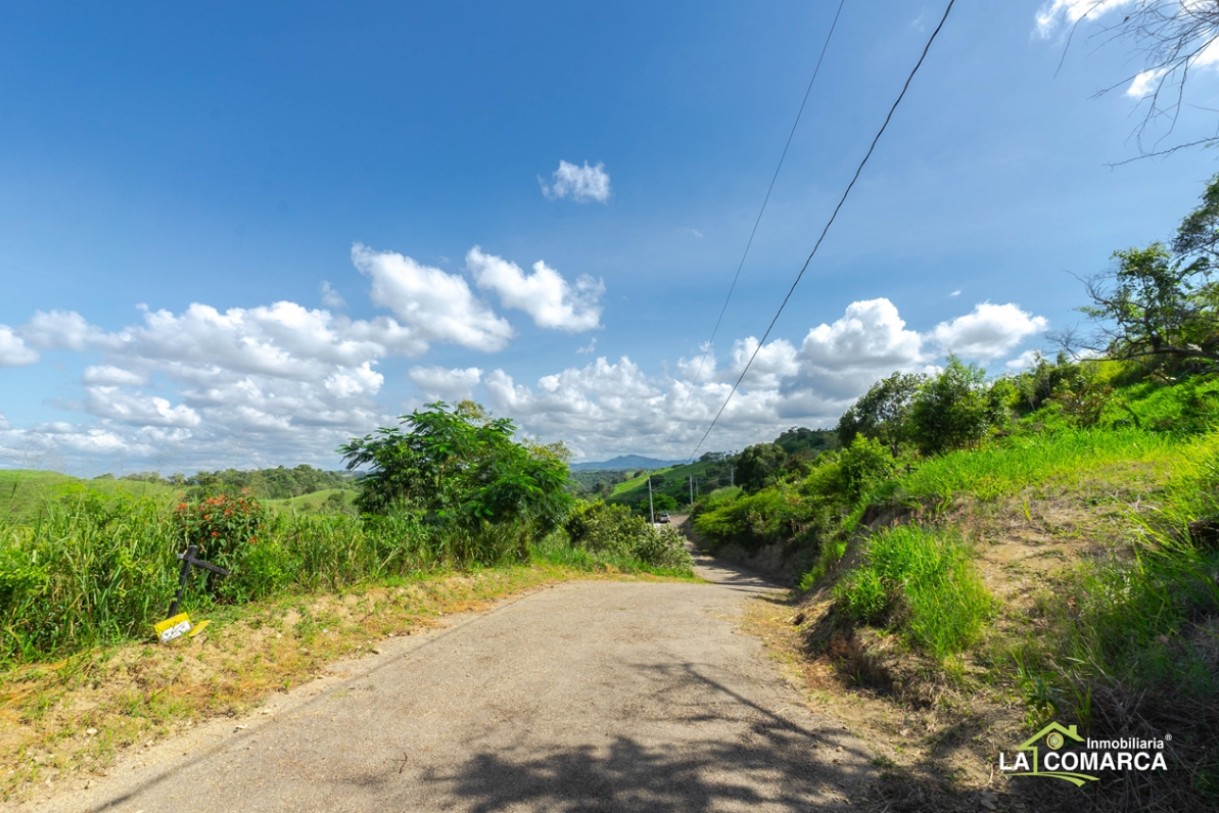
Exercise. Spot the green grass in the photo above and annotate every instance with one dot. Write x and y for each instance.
(25, 493)
(317, 502)
(88, 569)
(1010, 465)
(919, 582)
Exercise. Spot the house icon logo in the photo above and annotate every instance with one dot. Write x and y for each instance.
(1029, 760)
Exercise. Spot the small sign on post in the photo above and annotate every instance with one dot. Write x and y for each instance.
(178, 624)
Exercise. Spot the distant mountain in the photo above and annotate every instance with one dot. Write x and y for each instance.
(624, 462)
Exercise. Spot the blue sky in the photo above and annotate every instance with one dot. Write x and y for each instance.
(238, 234)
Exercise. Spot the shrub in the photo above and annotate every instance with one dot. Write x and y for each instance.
(614, 532)
(219, 525)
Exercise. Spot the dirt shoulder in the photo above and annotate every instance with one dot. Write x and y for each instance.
(583, 696)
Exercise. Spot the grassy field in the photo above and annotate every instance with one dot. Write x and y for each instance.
(25, 493)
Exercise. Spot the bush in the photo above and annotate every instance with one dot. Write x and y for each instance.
(614, 532)
(219, 525)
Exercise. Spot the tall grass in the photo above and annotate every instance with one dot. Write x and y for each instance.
(1014, 463)
(919, 582)
(90, 571)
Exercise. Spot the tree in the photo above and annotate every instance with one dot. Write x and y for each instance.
(1162, 302)
(950, 410)
(759, 466)
(459, 467)
(882, 412)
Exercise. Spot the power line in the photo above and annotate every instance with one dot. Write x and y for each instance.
(749, 243)
(833, 216)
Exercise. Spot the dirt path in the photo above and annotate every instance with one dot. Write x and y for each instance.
(593, 696)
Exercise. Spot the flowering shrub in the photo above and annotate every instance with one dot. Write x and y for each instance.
(219, 525)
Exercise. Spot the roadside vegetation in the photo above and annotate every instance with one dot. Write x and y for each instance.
(981, 557)
(451, 510)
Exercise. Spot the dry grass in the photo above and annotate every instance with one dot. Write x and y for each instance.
(65, 721)
(937, 728)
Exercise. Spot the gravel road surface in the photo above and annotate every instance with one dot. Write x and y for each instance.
(589, 696)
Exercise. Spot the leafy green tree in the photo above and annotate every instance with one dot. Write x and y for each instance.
(1163, 302)
(950, 410)
(759, 466)
(805, 443)
(458, 467)
(883, 411)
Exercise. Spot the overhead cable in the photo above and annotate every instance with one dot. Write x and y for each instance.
(833, 216)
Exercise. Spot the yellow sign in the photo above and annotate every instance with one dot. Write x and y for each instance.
(172, 628)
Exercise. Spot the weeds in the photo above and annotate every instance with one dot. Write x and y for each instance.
(922, 583)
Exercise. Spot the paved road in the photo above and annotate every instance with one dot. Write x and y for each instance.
(594, 696)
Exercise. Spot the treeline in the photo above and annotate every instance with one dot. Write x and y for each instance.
(680, 486)
(266, 484)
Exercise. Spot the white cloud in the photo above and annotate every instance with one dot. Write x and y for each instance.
(1145, 83)
(282, 384)
(436, 305)
(579, 183)
(13, 352)
(694, 233)
(1059, 15)
(773, 363)
(957, 292)
(283, 339)
(331, 298)
(107, 375)
(348, 383)
(989, 332)
(1056, 12)
(137, 409)
(544, 294)
(441, 383)
(588, 349)
(870, 341)
(59, 329)
(1024, 361)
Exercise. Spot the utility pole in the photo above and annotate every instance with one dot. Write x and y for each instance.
(691, 490)
(651, 510)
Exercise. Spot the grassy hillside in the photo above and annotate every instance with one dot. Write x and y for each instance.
(1063, 567)
(25, 493)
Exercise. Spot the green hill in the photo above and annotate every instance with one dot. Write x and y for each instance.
(1060, 565)
(24, 492)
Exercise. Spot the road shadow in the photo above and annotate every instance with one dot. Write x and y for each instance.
(714, 751)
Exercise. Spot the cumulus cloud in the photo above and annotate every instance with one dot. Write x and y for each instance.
(772, 363)
(436, 305)
(59, 329)
(137, 409)
(545, 295)
(989, 332)
(868, 342)
(13, 352)
(283, 339)
(444, 384)
(282, 383)
(580, 183)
